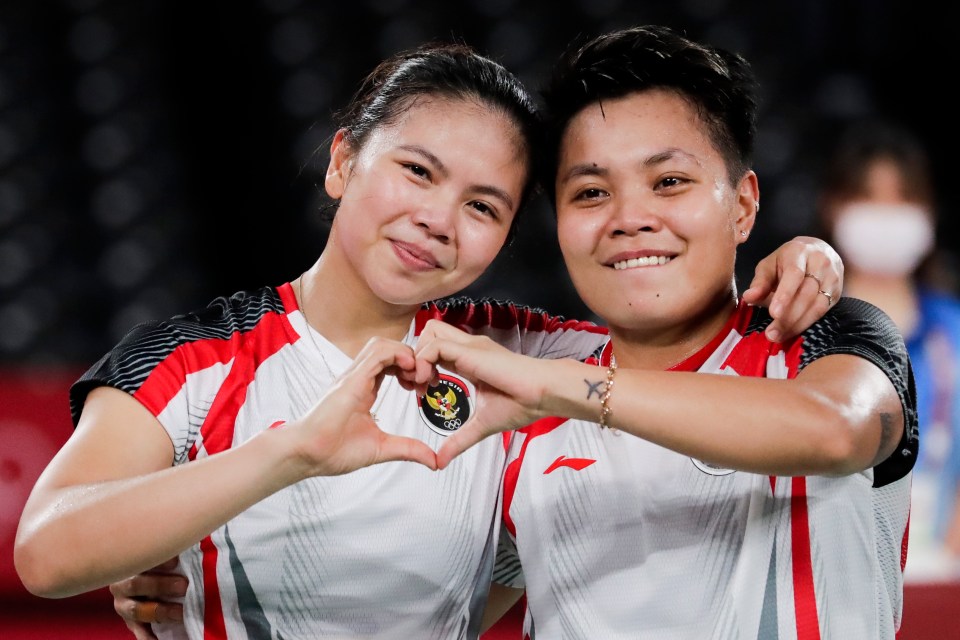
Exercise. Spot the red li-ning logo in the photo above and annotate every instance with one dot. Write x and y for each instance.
(446, 406)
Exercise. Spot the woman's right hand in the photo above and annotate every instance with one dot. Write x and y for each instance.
(340, 434)
(150, 598)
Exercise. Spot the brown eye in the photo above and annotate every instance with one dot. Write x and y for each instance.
(485, 209)
(417, 170)
(591, 194)
(670, 182)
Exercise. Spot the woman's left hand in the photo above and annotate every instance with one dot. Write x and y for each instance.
(798, 283)
(509, 385)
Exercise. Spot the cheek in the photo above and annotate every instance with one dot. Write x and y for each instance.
(576, 235)
(480, 244)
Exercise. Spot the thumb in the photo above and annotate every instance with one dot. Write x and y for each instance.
(463, 439)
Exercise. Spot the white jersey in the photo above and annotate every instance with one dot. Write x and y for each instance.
(620, 538)
(391, 551)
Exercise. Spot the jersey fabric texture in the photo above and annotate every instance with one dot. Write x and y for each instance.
(390, 551)
(616, 537)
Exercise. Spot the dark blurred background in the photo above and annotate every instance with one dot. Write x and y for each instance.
(155, 155)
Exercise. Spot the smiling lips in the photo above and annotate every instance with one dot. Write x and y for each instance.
(415, 257)
(646, 261)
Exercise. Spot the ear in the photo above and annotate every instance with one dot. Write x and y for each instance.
(748, 205)
(341, 157)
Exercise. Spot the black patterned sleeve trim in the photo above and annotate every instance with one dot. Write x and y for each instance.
(859, 328)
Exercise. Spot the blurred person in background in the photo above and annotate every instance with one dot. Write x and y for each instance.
(877, 203)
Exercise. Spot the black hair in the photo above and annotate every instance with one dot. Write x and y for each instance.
(451, 70)
(719, 84)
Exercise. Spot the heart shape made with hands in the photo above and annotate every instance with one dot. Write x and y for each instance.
(504, 397)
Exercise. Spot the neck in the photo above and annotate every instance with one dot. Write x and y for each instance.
(895, 295)
(661, 348)
(345, 311)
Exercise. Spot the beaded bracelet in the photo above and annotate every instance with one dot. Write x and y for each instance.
(605, 409)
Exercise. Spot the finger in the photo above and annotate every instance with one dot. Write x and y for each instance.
(762, 285)
(145, 611)
(439, 329)
(442, 331)
(799, 314)
(426, 372)
(154, 612)
(446, 352)
(787, 289)
(141, 631)
(378, 358)
(152, 586)
(828, 275)
(380, 353)
(463, 439)
(401, 448)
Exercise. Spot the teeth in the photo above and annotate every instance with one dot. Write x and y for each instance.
(641, 262)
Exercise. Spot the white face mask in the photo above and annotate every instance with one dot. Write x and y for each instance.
(884, 239)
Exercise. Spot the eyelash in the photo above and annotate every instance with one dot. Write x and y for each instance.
(673, 180)
(594, 193)
(487, 209)
(418, 170)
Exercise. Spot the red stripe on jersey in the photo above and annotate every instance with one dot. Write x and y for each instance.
(903, 543)
(694, 362)
(214, 627)
(287, 297)
(512, 472)
(217, 435)
(166, 380)
(804, 594)
(217, 428)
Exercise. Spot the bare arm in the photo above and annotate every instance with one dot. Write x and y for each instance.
(114, 476)
(840, 415)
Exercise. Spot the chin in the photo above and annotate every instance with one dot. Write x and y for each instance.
(403, 295)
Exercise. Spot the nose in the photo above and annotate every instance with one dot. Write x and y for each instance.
(437, 219)
(632, 217)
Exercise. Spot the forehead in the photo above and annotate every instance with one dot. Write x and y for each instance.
(452, 118)
(468, 140)
(635, 127)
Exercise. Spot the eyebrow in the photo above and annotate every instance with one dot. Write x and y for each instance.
(483, 189)
(593, 169)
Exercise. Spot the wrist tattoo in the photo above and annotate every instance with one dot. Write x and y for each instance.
(594, 388)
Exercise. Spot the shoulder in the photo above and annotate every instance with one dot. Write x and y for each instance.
(180, 343)
(240, 311)
(853, 322)
(219, 319)
(857, 327)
